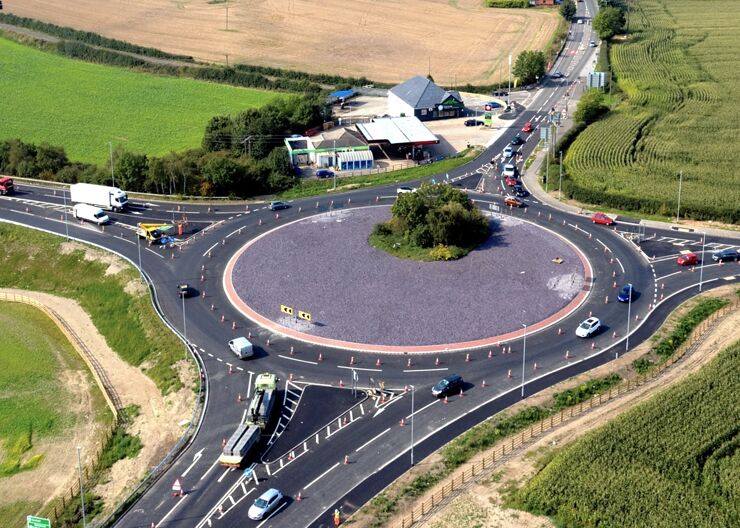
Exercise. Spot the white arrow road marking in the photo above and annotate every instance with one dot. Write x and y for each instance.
(196, 457)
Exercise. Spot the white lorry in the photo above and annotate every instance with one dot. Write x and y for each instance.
(90, 213)
(111, 198)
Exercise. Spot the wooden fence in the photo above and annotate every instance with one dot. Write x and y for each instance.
(509, 445)
(54, 508)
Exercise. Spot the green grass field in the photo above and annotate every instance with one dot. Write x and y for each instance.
(33, 402)
(679, 73)
(127, 321)
(671, 461)
(82, 106)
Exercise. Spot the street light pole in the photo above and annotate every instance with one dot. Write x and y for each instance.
(701, 268)
(560, 185)
(524, 355)
(138, 246)
(678, 209)
(508, 93)
(66, 225)
(82, 491)
(184, 324)
(629, 317)
(413, 390)
(110, 150)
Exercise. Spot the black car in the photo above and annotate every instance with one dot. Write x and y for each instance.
(557, 75)
(726, 254)
(473, 122)
(517, 140)
(450, 385)
(520, 191)
(500, 93)
(184, 290)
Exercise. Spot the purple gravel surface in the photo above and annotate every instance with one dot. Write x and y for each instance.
(325, 265)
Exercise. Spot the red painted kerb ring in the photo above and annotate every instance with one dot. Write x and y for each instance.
(270, 325)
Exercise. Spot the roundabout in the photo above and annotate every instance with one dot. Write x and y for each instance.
(523, 274)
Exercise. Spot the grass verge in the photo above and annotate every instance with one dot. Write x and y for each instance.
(126, 320)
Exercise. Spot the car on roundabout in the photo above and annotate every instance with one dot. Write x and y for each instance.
(449, 385)
(725, 254)
(626, 294)
(588, 327)
(520, 192)
(184, 290)
(688, 259)
(277, 205)
(513, 201)
(601, 218)
(264, 504)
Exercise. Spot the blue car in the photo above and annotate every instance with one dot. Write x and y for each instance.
(626, 294)
(324, 173)
(494, 104)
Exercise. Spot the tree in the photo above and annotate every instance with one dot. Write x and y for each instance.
(608, 22)
(224, 175)
(568, 9)
(218, 134)
(529, 66)
(590, 107)
(131, 170)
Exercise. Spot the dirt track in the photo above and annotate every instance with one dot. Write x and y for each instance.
(384, 40)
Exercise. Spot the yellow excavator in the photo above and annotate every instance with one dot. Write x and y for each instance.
(153, 233)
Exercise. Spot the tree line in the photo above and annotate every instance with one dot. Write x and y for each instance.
(225, 164)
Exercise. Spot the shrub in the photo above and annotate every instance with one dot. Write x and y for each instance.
(442, 252)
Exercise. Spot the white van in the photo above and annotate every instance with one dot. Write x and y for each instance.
(241, 347)
(90, 213)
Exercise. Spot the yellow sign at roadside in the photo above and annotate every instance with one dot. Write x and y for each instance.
(286, 309)
(304, 315)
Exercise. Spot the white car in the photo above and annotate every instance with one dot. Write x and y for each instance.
(264, 504)
(509, 152)
(588, 327)
(404, 190)
(509, 170)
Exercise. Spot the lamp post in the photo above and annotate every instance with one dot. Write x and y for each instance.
(560, 185)
(629, 317)
(110, 151)
(66, 225)
(678, 209)
(508, 93)
(524, 356)
(138, 246)
(413, 390)
(82, 491)
(701, 268)
(184, 324)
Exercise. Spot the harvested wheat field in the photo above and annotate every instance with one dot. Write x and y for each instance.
(384, 40)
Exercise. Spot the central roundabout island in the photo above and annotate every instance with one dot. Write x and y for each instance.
(361, 298)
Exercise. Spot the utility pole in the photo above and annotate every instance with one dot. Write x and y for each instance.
(560, 185)
(701, 268)
(227, 17)
(678, 209)
(508, 94)
(524, 355)
(82, 491)
(413, 390)
(110, 150)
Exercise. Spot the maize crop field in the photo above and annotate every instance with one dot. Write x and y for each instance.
(679, 72)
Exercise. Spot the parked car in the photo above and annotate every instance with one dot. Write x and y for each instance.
(500, 93)
(275, 205)
(592, 44)
(520, 192)
(264, 504)
(588, 327)
(726, 254)
(601, 218)
(472, 122)
(511, 201)
(404, 190)
(509, 171)
(494, 104)
(626, 294)
(688, 259)
(527, 127)
(449, 385)
(324, 173)
(517, 140)
(509, 151)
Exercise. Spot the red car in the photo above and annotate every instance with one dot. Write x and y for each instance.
(512, 202)
(527, 127)
(601, 218)
(510, 181)
(688, 259)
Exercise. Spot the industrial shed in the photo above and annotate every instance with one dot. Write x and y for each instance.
(397, 131)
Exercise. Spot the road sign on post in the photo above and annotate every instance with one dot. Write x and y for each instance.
(37, 522)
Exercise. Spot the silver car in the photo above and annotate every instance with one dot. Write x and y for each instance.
(264, 504)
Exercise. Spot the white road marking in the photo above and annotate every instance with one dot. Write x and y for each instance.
(314, 481)
(296, 359)
(358, 368)
(283, 505)
(373, 439)
(209, 469)
(163, 519)
(669, 275)
(426, 370)
(419, 410)
(209, 249)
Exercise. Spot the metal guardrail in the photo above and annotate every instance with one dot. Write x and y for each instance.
(508, 446)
